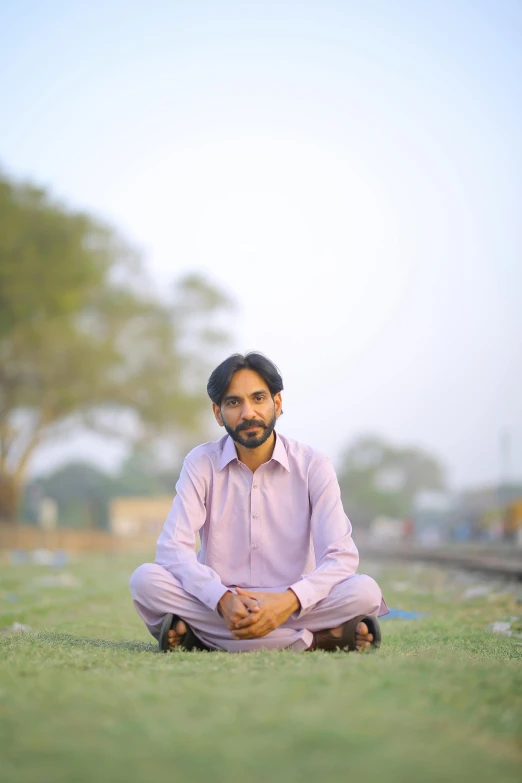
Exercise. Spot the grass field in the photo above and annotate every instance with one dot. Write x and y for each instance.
(84, 696)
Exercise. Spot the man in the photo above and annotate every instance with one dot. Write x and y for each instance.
(277, 565)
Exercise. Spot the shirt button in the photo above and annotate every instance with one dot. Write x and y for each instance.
(254, 486)
(254, 546)
(255, 516)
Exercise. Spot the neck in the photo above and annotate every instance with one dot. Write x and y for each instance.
(253, 458)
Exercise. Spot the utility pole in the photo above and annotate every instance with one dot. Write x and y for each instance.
(504, 443)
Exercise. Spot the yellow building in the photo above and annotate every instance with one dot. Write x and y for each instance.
(138, 517)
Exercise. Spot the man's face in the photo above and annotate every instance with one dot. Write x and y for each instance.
(248, 412)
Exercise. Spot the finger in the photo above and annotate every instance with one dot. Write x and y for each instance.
(240, 611)
(246, 622)
(366, 638)
(245, 633)
(247, 593)
(252, 604)
(249, 633)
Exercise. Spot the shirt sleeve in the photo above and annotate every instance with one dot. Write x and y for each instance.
(336, 554)
(176, 547)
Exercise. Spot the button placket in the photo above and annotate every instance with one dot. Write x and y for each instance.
(255, 534)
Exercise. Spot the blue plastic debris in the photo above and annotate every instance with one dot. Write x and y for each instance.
(18, 556)
(61, 558)
(401, 614)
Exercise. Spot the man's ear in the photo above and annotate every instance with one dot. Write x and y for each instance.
(217, 414)
(278, 404)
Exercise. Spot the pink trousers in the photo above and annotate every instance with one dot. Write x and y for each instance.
(156, 592)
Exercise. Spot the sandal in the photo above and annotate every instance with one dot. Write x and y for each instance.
(324, 640)
(189, 642)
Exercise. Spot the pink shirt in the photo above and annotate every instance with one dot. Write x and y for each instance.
(282, 526)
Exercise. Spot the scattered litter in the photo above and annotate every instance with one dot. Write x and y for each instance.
(18, 556)
(401, 614)
(63, 579)
(45, 557)
(478, 591)
(16, 628)
(504, 628)
(49, 558)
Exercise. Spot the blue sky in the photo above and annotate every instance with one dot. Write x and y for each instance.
(350, 172)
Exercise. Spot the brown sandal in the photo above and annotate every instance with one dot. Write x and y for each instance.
(323, 640)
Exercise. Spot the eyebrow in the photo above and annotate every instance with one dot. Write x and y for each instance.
(230, 397)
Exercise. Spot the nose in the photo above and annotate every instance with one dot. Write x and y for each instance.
(248, 411)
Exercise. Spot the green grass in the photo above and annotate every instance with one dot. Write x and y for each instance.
(85, 697)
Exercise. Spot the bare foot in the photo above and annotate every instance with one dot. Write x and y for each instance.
(176, 634)
(363, 638)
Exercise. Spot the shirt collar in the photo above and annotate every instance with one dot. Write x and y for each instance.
(280, 454)
(229, 453)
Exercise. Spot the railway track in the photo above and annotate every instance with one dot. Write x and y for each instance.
(507, 564)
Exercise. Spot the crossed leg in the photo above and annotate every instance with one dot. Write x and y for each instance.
(156, 592)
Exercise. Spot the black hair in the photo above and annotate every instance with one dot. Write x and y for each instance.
(220, 379)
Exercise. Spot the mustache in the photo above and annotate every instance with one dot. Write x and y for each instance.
(247, 424)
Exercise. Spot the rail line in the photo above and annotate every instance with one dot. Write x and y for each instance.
(506, 565)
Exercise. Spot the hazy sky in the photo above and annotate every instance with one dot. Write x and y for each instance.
(351, 172)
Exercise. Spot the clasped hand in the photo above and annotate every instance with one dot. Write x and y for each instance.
(250, 615)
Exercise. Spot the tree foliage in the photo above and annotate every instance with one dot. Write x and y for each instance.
(83, 337)
(378, 478)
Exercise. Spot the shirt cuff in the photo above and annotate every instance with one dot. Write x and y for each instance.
(306, 594)
(212, 594)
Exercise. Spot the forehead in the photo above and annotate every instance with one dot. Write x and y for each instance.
(245, 382)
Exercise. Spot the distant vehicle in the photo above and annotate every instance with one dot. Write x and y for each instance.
(513, 520)
(387, 529)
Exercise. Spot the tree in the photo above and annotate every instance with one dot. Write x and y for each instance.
(377, 478)
(83, 338)
(82, 493)
(142, 473)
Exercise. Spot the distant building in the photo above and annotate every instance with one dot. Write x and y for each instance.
(434, 517)
(138, 517)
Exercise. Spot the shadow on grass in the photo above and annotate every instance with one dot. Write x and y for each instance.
(68, 640)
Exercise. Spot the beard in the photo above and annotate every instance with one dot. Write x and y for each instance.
(249, 440)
